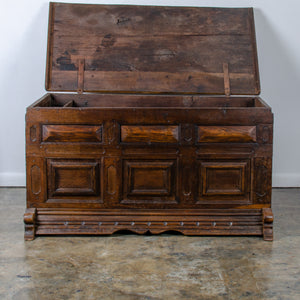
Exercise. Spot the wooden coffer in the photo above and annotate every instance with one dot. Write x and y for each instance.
(156, 124)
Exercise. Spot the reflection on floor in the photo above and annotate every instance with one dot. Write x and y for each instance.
(150, 267)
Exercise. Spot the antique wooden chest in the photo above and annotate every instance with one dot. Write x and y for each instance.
(160, 126)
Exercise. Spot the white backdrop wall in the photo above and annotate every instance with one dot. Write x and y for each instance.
(23, 31)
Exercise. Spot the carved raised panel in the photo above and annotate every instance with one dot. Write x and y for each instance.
(36, 176)
(265, 134)
(111, 180)
(225, 181)
(222, 179)
(73, 178)
(112, 177)
(149, 181)
(187, 183)
(111, 132)
(226, 134)
(187, 135)
(33, 133)
(149, 134)
(72, 133)
(262, 180)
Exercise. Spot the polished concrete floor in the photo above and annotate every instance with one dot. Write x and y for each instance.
(150, 267)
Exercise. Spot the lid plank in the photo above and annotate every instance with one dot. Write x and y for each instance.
(151, 49)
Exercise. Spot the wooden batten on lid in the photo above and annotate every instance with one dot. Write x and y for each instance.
(80, 76)
(150, 49)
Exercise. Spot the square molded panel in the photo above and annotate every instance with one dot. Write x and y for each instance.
(149, 181)
(71, 179)
(224, 181)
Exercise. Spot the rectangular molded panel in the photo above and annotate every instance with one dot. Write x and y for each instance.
(149, 134)
(72, 133)
(73, 178)
(226, 134)
(224, 181)
(149, 181)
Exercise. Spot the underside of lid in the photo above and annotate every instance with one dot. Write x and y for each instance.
(151, 49)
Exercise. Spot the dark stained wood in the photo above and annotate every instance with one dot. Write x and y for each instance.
(71, 180)
(69, 104)
(268, 224)
(35, 175)
(137, 101)
(36, 178)
(73, 177)
(33, 136)
(177, 175)
(151, 49)
(159, 100)
(72, 133)
(153, 82)
(135, 157)
(151, 181)
(224, 181)
(149, 134)
(30, 224)
(80, 75)
(262, 185)
(111, 180)
(223, 178)
(153, 116)
(226, 134)
(188, 222)
(226, 79)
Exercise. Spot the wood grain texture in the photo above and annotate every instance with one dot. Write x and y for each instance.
(188, 222)
(268, 224)
(30, 224)
(262, 183)
(149, 101)
(111, 180)
(149, 134)
(33, 133)
(149, 154)
(226, 134)
(218, 112)
(224, 181)
(73, 181)
(72, 177)
(35, 175)
(151, 49)
(186, 113)
(152, 181)
(223, 178)
(72, 133)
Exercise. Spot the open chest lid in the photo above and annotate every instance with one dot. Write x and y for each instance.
(151, 49)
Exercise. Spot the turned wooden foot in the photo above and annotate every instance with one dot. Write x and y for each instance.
(30, 224)
(268, 224)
